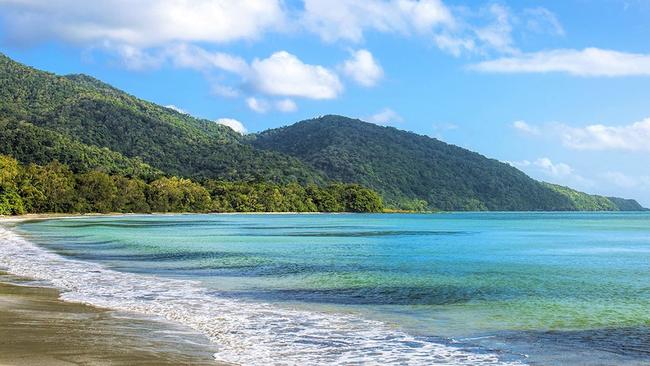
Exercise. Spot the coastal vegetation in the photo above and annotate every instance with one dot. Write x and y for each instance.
(54, 188)
(77, 126)
(412, 171)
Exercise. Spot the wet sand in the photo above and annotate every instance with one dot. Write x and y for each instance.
(36, 328)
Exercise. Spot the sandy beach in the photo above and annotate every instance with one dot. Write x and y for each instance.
(37, 328)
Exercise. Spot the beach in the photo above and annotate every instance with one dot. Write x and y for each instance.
(38, 328)
(455, 289)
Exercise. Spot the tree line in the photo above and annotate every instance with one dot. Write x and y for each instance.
(54, 188)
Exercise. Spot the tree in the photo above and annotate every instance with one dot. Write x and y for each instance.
(10, 201)
(177, 195)
(96, 192)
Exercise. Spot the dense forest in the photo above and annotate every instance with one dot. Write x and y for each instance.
(418, 172)
(54, 188)
(411, 171)
(82, 126)
(587, 202)
(95, 114)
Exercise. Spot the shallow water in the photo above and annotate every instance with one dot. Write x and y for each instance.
(492, 288)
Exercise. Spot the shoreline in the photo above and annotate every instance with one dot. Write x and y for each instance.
(37, 327)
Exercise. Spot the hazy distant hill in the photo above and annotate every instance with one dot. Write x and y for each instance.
(91, 125)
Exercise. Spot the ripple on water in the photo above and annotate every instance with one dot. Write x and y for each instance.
(245, 332)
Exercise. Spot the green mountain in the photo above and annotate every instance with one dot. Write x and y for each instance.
(96, 114)
(627, 204)
(414, 171)
(91, 126)
(33, 144)
(588, 202)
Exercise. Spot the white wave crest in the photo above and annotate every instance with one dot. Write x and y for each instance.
(244, 333)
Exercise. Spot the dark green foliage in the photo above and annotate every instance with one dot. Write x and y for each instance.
(96, 192)
(131, 195)
(177, 195)
(270, 197)
(10, 201)
(49, 188)
(33, 144)
(584, 202)
(411, 171)
(55, 189)
(108, 141)
(95, 114)
(627, 204)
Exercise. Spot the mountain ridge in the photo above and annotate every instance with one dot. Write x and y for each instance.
(91, 125)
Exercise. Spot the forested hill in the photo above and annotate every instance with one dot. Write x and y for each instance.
(414, 171)
(90, 126)
(86, 114)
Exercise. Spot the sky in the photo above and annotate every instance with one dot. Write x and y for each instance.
(559, 89)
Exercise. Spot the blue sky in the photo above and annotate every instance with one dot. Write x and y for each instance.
(560, 89)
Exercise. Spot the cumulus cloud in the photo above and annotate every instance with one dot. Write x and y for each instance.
(453, 44)
(526, 128)
(632, 137)
(560, 173)
(589, 62)
(194, 57)
(386, 116)
(283, 74)
(349, 19)
(234, 124)
(140, 23)
(498, 34)
(363, 68)
(257, 105)
(553, 169)
(224, 90)
(286, 105)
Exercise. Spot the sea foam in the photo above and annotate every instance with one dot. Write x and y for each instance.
(246, 333)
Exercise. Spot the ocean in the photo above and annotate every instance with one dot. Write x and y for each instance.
(363, 289)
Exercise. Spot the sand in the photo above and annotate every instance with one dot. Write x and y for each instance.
(36, 328)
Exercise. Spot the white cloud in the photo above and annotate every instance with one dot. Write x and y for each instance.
(175, 108)
(234, 124)
(386, 116)
(348, 19)
(553, 169)
(559, 173)
(283, 74)
(633, 137)
(286, 105)
(224, 90)
(498, 34)
(526, 128)
(140, 23)
(454, 45)
(542, 20)
(257, 105)
(193, 57)
(134, 58)
(363, 68)
(588, 62)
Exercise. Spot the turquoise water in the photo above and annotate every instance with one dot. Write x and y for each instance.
(538, 288)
